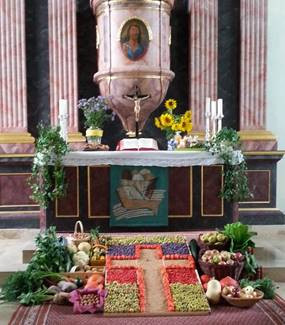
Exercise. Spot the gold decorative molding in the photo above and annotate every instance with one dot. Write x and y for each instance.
(20, 212)
(264, 153)
(75, 137)
(132, 75)
(190, 215)
(257, 135)
(16, 155)
(16, 137)
(199, 134)
(259, 209)
(102, 6)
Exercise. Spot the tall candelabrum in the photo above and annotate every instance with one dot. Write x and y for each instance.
(63, 118)
(213, 113)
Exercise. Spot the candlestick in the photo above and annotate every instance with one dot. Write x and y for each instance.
(214, 116)
(220, 114)
(63, 117)
(208, 115)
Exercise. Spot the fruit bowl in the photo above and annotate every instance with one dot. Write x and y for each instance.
(244, 302)
(221, 271)
(222, 245)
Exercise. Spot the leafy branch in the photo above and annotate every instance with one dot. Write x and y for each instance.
(47, 180)
(226, 144)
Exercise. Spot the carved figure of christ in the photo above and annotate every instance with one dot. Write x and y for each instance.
(137, 99)
(151, 265)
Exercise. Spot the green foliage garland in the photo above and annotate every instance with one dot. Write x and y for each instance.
(47, 181)
(226, 144)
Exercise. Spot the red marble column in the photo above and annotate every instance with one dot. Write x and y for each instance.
(63, 63)
(14, 137)
(203, 58)
(253, 20)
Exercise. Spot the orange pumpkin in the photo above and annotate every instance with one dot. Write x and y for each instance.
(95, 281)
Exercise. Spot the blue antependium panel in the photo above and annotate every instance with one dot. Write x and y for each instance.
(138, 196)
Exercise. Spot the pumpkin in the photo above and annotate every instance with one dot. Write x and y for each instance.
(95, 281)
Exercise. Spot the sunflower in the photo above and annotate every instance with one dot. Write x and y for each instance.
(157, 123)
(170, 104)
(166, 120)
(188, 115)
(184, 124)
(175, 127)
(188, 127)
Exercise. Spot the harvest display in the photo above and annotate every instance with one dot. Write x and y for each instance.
(142, 274)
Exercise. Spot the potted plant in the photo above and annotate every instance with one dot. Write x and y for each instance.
(96, 112)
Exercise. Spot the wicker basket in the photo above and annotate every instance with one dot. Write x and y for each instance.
(223, 246)
(244, 302)
(98, 262)
(221, 271)
(84, 276)
(79, 236)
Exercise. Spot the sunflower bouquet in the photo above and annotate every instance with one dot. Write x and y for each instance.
(173, 123)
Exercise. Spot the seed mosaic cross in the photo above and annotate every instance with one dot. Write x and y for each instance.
(151, 265)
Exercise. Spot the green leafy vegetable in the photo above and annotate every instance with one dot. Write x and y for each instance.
(50, 258)
(51, 254)
(240, 236)
(265, 285)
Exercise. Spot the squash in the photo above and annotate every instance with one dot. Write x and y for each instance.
(214, 290)
(95, 281)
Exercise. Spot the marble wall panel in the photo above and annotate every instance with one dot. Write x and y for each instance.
(211, 184)
(14, 189)
(68, 206)
(180, 200)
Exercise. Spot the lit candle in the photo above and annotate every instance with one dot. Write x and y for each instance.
(213, 116)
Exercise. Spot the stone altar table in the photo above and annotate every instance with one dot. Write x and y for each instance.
(195, 181)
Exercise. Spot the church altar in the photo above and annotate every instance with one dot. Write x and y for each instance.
(194, 183)
(160, 158)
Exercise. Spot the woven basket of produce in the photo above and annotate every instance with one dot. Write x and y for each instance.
(79, 235)
(98, 255)
(213, 240)
(241, 299)
(221, 264)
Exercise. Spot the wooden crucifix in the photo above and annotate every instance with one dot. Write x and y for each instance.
(137, 98)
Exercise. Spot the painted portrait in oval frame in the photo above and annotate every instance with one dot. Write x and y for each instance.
(134, 39)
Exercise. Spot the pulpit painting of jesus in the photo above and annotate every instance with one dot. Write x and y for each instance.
(134, 39)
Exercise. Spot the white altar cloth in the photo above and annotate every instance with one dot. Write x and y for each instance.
(141, 158)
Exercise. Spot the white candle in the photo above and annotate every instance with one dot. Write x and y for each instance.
(220, 114)
(208, 115)
(220, 107)
(208, 106)
(62, 106)
(213, 116)
(63, 117)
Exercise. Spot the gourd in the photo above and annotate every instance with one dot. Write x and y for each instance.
(214, 290)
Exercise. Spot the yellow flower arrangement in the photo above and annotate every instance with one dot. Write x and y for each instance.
(172, 123)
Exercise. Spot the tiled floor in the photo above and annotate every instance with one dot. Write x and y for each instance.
(270, 253)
